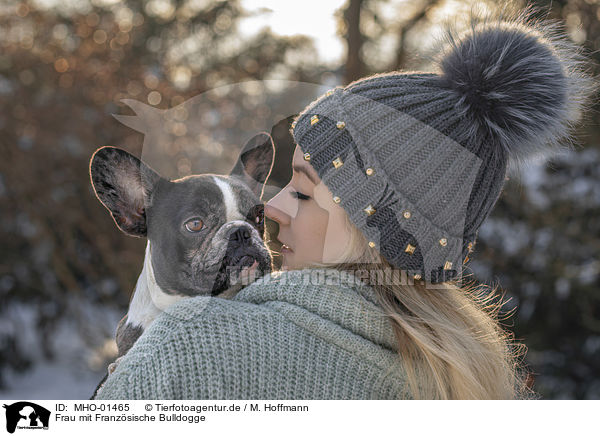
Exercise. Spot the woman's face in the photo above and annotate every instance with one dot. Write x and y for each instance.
(311, 226)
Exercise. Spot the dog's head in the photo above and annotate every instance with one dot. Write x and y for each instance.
(204, 230)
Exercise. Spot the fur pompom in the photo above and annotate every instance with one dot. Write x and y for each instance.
(519, 80)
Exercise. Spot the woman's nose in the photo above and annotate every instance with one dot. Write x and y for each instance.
(279, 210)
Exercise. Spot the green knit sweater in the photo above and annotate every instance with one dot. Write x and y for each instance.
(285, 336)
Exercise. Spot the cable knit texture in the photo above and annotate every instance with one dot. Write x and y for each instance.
(308, 334)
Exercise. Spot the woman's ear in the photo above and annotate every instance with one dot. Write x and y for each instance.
(255, 162)
(124, 185)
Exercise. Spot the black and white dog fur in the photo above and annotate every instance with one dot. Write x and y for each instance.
(204, 232)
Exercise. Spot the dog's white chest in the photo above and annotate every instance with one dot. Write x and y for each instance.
(148, 298)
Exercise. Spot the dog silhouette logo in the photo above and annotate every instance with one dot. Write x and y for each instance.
(26, 415)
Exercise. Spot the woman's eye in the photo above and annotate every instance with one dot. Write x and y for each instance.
(194, 225)
(299, 195)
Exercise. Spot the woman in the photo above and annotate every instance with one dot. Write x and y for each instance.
(394, 172)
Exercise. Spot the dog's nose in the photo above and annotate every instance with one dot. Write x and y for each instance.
(240, 236)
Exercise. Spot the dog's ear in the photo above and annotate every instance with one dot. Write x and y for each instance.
(123, 184)
(255, 162)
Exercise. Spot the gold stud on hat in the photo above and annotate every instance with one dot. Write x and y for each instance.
(410, 249)
(406, 214)
(448, 265)
(306, 156)
(330, 92)
(294, 124)
(340, 125)
(369, 171)
(314, 120)
(443, 242)
(371, 244)
(369, 210)
(417, 276)
(336, 199)
(337, 162)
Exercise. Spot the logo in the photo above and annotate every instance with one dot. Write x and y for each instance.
(26, 415)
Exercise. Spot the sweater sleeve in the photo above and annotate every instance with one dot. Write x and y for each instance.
(198, 349)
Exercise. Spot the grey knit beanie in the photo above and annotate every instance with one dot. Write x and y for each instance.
(418, 160)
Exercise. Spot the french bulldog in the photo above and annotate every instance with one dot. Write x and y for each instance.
(204, 232)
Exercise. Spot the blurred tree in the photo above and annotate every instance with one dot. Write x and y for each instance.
(376, 34)
(355, 67)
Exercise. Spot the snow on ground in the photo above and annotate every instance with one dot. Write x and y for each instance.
(52, 381)
(82, 343)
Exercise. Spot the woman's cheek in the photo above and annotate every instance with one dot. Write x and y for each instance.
(315, 231)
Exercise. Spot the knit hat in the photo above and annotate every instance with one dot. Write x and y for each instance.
(418, 160)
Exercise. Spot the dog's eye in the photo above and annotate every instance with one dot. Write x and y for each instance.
(194, 225)
(257, 215)
(260, 216)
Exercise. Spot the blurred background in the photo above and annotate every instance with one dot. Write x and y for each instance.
(66, 272)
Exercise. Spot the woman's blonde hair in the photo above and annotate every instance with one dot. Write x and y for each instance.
(450, 340)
